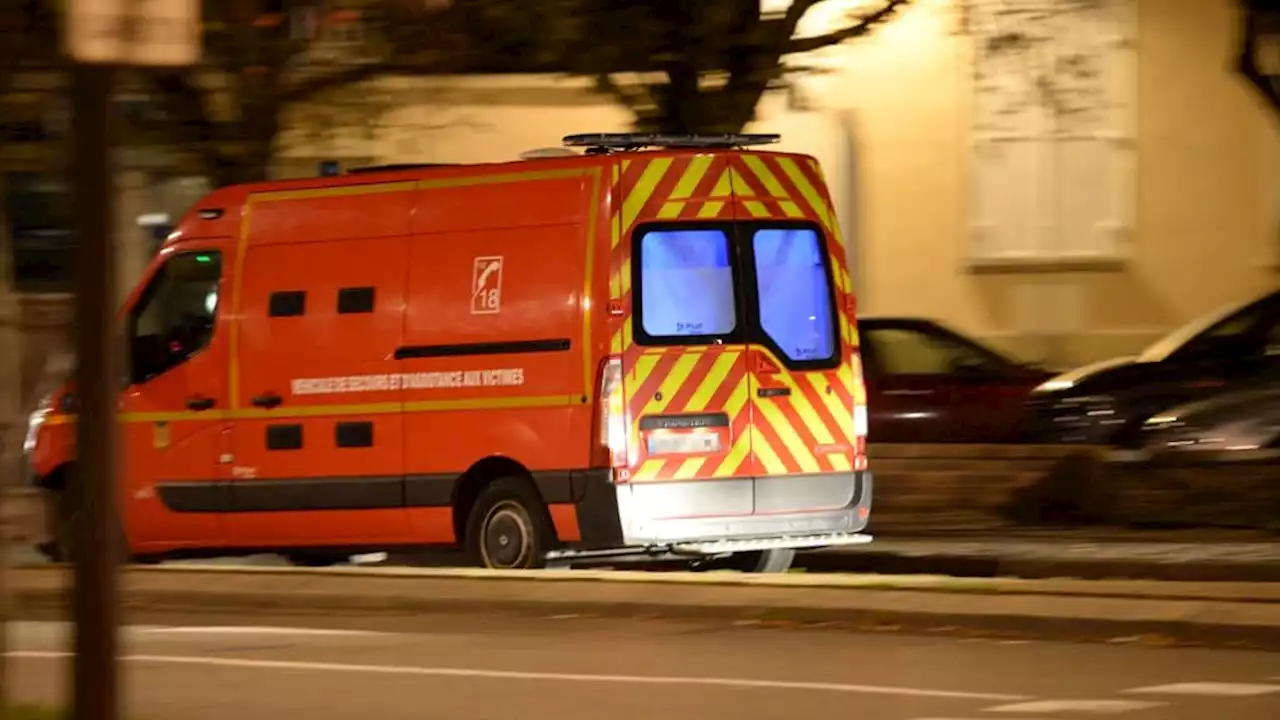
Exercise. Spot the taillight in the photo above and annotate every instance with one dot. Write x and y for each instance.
(860, 437)
(613, 416)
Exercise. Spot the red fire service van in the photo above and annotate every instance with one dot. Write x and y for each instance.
(645, 349)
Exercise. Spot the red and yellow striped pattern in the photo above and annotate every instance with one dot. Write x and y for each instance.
(808, 431)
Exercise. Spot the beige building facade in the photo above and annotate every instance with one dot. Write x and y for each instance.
(1068, 184)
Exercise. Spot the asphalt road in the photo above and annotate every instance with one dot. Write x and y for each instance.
(570, 668)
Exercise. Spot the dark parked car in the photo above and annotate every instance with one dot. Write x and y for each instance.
(927, 383)
(1239, 426)
(1108, 402)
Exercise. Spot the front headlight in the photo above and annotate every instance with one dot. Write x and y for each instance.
(34, 421)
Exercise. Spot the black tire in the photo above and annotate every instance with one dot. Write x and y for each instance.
(756, 561)
(61, 546)
(509, 527)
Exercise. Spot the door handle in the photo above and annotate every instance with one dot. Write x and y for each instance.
(199, 403)
(908, 392)
(267, 400)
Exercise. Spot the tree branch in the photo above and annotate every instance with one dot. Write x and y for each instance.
(1254, 30)
(864, 25)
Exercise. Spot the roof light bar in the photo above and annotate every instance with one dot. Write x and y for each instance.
(635, 141)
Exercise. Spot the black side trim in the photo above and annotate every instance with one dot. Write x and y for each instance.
(284, 437)
(353, 434)
(589, 489)
(429, 490)
(194, 497)
(684, 422)
(596, 497)
(287, 303)
(355, 300)
(555, 486)
(502, 348)
(350, 493)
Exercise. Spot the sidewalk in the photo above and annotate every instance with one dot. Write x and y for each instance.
(1239, 614)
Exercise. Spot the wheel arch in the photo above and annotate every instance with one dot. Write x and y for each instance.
(469, 485)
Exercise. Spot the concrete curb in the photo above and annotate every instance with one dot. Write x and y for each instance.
(1244, 616)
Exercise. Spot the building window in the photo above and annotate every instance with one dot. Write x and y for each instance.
(37, 209)
(1053, 158)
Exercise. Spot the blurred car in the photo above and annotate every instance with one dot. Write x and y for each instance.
(927, 383)
(1108, 402)
(1239, 426)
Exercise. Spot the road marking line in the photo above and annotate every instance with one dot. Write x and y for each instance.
(251, 630)
(1093, 707)
(519, 675)
(1221, 689)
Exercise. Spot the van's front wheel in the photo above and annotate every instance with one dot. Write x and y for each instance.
(508, 527)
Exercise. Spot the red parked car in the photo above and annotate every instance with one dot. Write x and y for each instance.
(927, 383)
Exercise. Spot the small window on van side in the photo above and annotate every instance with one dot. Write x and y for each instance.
(794, 292)
(685, 292)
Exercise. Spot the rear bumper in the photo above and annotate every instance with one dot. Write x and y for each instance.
(782, 511)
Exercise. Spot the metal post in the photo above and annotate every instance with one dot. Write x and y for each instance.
(95, 680)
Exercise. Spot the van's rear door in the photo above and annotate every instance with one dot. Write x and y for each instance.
(684, 381)
(802, 359)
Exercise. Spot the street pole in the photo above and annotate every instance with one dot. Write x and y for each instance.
(95, 675)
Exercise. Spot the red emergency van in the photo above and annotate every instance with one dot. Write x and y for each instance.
(646, 349)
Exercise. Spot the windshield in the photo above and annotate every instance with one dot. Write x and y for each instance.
(1232, 320)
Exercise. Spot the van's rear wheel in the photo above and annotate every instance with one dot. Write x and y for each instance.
(508, 527)
(758, 561)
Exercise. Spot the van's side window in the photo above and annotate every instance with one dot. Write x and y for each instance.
(686, 284)
(795, 297)
(174, 318)
(287, 303)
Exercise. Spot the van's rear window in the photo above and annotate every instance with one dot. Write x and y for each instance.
(686, 280)
(794, 293)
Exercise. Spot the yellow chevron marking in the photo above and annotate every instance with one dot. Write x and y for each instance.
(615, 285)
(626, 334)
(741, 445)
(737, 399)
(756, 208)
(790, 438)
(678, 375)
(761, 448)
(625, 276)
(712, 382)
(711, 209)
(648, 470)
(644, 365)
(806, 189)
(638, 195)
(761, 171)
(691, 178)
(839, 462)
(615, 345)
(670, 209)
(615, 230)
(808, 414)
(843, 415)
(689, 468)
(724, 186)
(790, 209)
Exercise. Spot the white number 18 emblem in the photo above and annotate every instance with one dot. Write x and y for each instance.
(486, 285)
